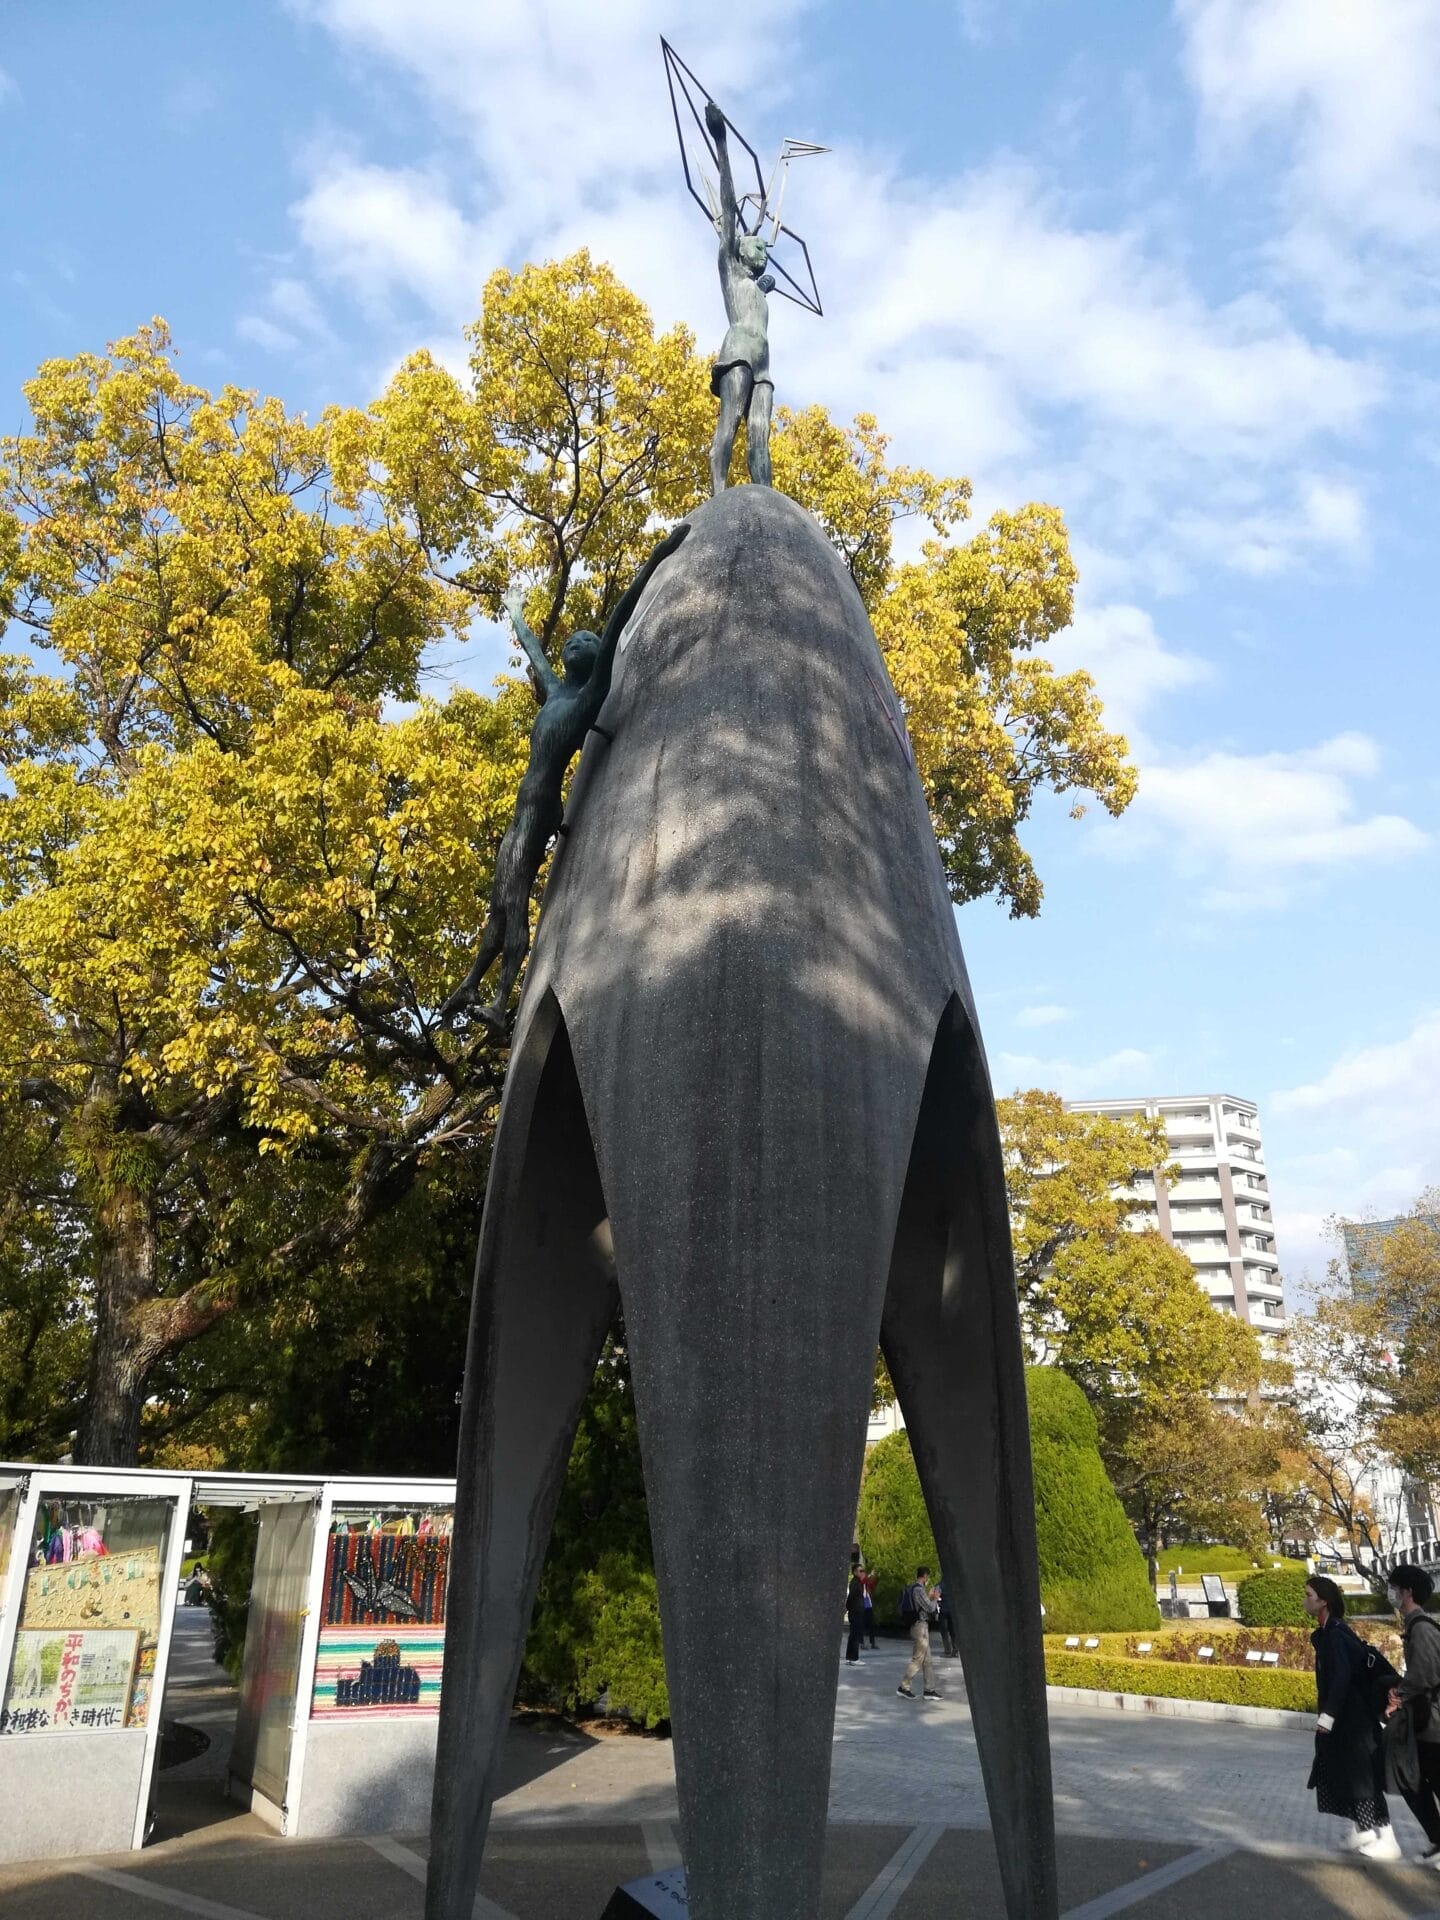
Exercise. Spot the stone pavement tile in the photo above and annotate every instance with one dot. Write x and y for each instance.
(563, 1777)
(1090, 1867)
(961, 1877)
(69, 1896)
(283, 1879)
(1247, 1886)
(193, 1813)
(855, 1856)
(541, 1874)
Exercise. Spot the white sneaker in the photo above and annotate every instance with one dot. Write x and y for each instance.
(1380, 1844)
(1356, 1839)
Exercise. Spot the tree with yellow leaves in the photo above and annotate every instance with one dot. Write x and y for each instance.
(230, 888)
(1118, 1309)
(243, 860)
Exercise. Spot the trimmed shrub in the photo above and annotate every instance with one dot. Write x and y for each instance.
(1092, 1573)
(619, 1661)
(893, 1527)
(1273, 1599)
(1169, 1680)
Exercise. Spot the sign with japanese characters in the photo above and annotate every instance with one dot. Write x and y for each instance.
(70, 1681)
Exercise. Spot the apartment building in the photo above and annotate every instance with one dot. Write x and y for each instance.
(1218, 1211)
(1364, 1240)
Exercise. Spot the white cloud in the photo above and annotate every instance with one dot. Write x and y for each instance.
(291, 318)
(1046, 1016)
(1326, 517)
(1254, 822)
(1383, 1092)
(1360, 1140)
(989, 266)
(9, 90)
(561, 100)
(389, 230)
(1127, 1071)
(265, 333)
(1355, 92)
(1131, 666)
(978, 318)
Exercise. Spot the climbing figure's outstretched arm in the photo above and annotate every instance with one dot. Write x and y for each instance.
(615, 625)
(546, 677)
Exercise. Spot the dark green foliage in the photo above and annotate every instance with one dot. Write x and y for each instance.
(359, 1370)
(893, 1527)
(1092, 1573)
(1273, 1599)
(45, 1306)
(595, 1634)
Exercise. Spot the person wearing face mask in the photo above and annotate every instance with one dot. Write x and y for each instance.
(1348, 1775)
(1418, 1693)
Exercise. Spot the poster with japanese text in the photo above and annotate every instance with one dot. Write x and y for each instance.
(70, 1681)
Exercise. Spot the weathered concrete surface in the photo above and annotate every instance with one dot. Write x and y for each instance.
(747, 992)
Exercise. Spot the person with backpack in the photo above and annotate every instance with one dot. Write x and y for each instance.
(919, 1605)
(1418, 1696)
(1353, 1682)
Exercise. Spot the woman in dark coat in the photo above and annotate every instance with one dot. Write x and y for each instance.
(855, 1612)
(1349, 1771)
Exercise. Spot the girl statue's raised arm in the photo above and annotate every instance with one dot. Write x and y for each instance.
(513, 601)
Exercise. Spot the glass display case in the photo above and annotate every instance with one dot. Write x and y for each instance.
(88, 1628)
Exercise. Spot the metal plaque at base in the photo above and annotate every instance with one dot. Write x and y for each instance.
(660, 1896)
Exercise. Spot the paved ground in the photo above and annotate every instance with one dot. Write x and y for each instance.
(1185, 1819)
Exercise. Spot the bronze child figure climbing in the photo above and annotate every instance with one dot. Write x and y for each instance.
(570, 704)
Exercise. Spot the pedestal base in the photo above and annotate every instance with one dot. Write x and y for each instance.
(660, 1897)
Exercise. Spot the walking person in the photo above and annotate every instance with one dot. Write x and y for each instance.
(1418, 1694)
(945, 1620)
(919, 1606)
(1348, 1774)
(869, 1582)
(854, 1613)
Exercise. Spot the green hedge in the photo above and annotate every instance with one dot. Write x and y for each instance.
(1233, 1686)
(1191, 1561)
(1273, 1599)
(1092, 1573)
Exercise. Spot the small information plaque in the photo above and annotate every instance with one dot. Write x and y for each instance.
(659, 1897)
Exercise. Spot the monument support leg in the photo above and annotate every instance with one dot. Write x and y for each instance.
(752, 1348)
(544, 1299)
(951, 1337)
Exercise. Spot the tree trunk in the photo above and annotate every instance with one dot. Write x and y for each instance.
(109, 1432)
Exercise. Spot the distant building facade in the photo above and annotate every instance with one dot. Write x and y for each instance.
(1364, 1240)
(1218, 1212)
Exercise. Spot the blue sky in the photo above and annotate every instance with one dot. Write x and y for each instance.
(1174, 269)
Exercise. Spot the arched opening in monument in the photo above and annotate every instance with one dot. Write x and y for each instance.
(950, 1334)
